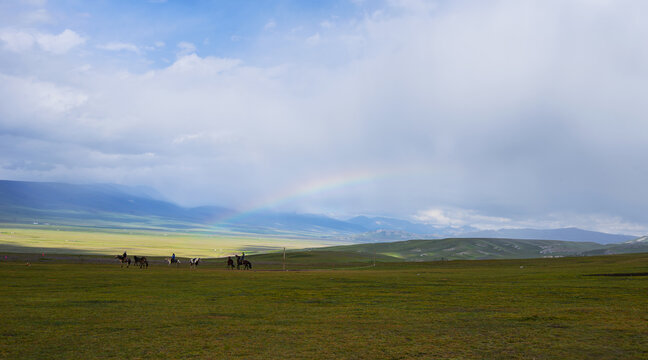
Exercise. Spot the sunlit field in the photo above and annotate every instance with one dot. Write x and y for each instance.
(144, 243)
(500, 309)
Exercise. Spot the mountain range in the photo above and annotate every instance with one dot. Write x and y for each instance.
(117, 206)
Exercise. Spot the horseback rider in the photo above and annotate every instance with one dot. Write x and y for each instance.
(124, 255)
(173, 259)
(242, 256)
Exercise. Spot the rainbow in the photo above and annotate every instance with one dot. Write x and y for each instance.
(313, 187)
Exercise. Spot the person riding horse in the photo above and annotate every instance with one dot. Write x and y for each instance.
(123, 259)
(240, 260)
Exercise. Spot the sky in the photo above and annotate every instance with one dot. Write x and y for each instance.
(491, 114)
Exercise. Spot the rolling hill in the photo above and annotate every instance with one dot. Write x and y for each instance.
(564, 234)
(469, 248)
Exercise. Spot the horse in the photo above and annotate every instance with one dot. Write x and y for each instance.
(123, 259)
(172, 261)
(193, 263)
(141, 261)
(246, 265)
(238, 262)
(230, 263)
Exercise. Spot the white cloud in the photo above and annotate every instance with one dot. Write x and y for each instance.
(17, 41)
(119, 46)
(32, 98)
(313, 39)
(461, 217)
(185, 48)
(61, 43)
(327, 24)
(213, 137)
(204, 66)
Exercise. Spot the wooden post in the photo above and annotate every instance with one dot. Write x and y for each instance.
(374, 256)
(284, 260)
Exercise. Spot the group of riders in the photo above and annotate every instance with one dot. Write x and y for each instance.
(139, 260)
(240, 261)
(143, 262)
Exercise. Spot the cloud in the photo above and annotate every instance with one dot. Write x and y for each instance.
(488, 114)
(202, 66)
(17, 41)
(119, 46)
(21, 41)
(327, 24)
(313, 39)
(37, 98)
(185, 48)
(61, 43)
(461, 217)
(458, 218)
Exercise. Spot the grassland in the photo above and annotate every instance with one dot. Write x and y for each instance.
(115, 241)
(470, 249)
(495, 309)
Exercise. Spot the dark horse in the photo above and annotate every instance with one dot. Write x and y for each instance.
(124, 260)
(230, 263)
(240, 261)
(141, 261)
(246, 265)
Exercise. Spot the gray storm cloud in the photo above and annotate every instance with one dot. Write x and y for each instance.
(501, 113)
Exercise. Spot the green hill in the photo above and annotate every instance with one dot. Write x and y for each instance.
(456, 248)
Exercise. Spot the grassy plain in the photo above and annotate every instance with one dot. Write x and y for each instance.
(154, 243)
(496, 309)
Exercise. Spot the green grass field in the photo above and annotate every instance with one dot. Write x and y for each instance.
(499, 309)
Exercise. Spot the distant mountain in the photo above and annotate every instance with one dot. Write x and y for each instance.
(565, 234)
(639, 240)
(108, 205)
(384, 223)
(638, 245)
(117, 206)
(309, 223)
(470, 248)
(429, 231)
(382, 236)
(57, 201)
